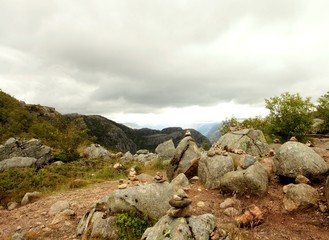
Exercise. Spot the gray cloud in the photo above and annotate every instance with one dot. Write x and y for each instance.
(102, 57)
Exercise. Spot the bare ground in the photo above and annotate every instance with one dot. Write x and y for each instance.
(278, 223)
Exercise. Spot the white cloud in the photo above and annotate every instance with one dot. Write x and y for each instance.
(174, 62)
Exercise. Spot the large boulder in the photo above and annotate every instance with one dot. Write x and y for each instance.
(295, 158)
(18, 162)
(166, 150)
(151, 199)
(186, 159)
(253, 181)
(300, 196)
(211, 169)
(251, 141)
(22, 148)
(194, 228)
(96, 151)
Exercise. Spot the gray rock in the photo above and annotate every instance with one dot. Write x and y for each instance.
(96, 151)
(103, 228)
(295, 158)
(180, 182)
(302, 179)
(166, 150)
(231, 212)
(33, 148)
(187, 154)
(211, 169)
(58, 206)
(60, 217)
(152, 199)
(300, 196)
(127, 157)
(18, 162)
(195, 227)
(246, 161)
(230, 202)
(30, 196)
(58, 163)
(12, 205)
(253, 180)
(251, 141)
(268, 164)
(143, 151)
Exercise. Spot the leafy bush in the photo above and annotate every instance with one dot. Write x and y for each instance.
(290, 115)
(15, 182)
(132, 225)
(259, 123)
(323, 111)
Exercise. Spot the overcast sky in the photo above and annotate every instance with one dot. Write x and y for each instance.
(156, 62)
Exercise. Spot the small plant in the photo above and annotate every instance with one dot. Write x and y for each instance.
(131, 225)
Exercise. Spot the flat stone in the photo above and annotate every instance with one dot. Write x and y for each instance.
(179, 212)
(180, 203)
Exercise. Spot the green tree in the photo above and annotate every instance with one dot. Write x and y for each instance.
(323, 111)
(290, 115)
(227, 124)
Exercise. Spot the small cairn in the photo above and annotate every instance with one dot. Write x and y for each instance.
(187, 133)
(158, 178)
(132, 177)
(180, 205)
(216, 149)
(122, 185)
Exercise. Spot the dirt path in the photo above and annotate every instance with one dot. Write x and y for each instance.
(35, 215)
(279, 224)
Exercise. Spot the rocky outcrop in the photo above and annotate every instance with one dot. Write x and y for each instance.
(212, 168)
(119, 137)
(194, 227)
(295, 158)
(250, 141)
(24, 153)
(151, 199)
(166, 150)
(186, 159)
(30, 196)
(300, 196)
(18, 162)
(96, 151)
(253, 181)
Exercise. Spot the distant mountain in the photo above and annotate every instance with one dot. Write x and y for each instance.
(210, 130)
(119, 137)
(66, 132)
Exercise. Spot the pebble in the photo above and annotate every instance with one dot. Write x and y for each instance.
(18, 228)
(201, 204)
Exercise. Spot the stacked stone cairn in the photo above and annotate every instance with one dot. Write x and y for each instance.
(122, 184)
(158, 178)
(132, 177)
(180, 205)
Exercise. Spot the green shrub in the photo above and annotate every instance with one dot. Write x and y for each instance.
(132, 225)
(290, 115)
(323, 111)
